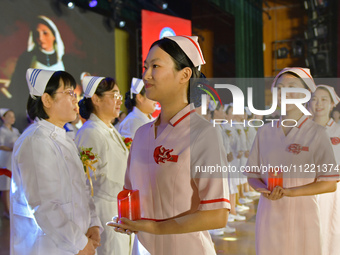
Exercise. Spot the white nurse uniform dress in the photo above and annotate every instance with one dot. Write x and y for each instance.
(7, 138)
(110, 171)
(163, 170)
(51, 209)
(330, 202)
(132, 122)
(291, 225)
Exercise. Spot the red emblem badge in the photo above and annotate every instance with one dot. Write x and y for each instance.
(297, 148)
(161, 155)
(335, 140)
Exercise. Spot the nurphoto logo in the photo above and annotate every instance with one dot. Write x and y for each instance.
(238, 103)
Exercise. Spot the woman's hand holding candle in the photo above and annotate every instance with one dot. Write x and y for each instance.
(276, 194)
(126, 226)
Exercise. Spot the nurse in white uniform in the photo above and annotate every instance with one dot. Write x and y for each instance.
(168, 157)
(139, 108)
(100, 105)
(324, 99)
(8, 135)
(51, 210)
(287, 220)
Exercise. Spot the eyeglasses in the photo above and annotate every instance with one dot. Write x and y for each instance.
(70, 92)
(116, 96)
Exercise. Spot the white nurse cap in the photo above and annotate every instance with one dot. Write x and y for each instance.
(3, 111)
(136, 86)
(90, 84)
(190, 46)
(37, 80)
(331, 91)
(303, 73)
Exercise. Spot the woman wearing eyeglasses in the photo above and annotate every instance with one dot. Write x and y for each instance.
(100, 105)
(51, 212)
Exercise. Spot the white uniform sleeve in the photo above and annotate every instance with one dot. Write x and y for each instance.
(129, 127)
(90, 138)
(40, 174)
(95, 221)
(2, 137)
(207, 151)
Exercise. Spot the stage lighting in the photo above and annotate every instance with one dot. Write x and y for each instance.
(70, 5)
(161, 4)
(121, 23)
(164, 6)
(93, 3)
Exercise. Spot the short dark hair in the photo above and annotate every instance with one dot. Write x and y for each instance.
(86, 106)
(35, 107)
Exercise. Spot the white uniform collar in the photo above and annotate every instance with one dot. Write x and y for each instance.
(330, 122)
(55, 131)
(95, 118)
(138, 112)
(182, 114)
(111, 129)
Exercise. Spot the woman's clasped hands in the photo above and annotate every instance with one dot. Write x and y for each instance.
(277, 193)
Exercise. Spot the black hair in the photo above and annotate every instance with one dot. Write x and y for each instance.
(179, 57)
(86, 106)
(35, 106)
(132, 102)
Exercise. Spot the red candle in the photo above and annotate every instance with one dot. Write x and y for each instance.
(128, 204)
(274, 178)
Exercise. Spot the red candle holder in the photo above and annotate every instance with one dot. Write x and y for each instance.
(275, 178)
(128, 204)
